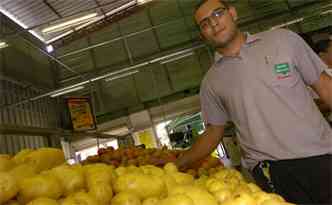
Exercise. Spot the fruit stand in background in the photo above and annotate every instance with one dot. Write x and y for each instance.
(41, 177)
(137, 156)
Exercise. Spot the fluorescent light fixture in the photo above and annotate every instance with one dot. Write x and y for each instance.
(326, 12)
(59, 36)
(3, 44)
(95, 19)
(66, 24)
(143, 1)
(37, 35)
(177, 58)
(288, 23)
(49, 48)
(131, 3)
(121, 75)
(67, 91)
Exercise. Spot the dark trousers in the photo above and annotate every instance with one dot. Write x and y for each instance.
(300, 181)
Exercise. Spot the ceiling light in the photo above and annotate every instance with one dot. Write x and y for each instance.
(143, 1)
(67, 91)
(3, 44)
(131, 3)
(288, 23)
(66, 24)
(121, 75)
(177, 58)
(326, 12)
(49, 48)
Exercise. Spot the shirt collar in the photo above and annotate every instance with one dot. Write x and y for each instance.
(250, 40)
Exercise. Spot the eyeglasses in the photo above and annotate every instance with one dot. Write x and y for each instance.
(209, 21)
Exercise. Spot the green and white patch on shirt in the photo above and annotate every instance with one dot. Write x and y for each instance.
(282, 70)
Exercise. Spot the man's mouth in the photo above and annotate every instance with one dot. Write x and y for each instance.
(218, 32)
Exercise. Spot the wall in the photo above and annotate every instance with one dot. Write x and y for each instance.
(40, 113)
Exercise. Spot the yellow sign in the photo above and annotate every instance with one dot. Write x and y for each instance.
(81, 114)
(146, 137)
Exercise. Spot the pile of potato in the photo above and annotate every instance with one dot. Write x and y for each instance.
(41, 177)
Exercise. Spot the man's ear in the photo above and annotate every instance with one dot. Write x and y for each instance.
(232, 11)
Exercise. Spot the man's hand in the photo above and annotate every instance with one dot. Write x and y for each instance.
(204, 145)
(324, 89)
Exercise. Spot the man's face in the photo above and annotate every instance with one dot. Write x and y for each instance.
(219, 29)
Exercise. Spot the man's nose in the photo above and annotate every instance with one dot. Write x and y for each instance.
(213, 22)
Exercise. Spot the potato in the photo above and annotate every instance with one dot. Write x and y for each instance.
(70, 177)
(142, 185)
(6, 163)
(8, 187)
(102, 192)
(44, 185)
(177, 199)
(126, 198)
(43, 201)
(80, 198)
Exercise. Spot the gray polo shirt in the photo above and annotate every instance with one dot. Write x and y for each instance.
(264, 92)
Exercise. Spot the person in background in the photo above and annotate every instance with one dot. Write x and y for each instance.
(324, 50)
(259, 82)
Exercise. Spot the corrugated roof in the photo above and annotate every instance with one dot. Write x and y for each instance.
(39, 14)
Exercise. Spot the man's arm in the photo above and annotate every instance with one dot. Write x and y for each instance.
(323, 88)
(322, 106)
(204, 145)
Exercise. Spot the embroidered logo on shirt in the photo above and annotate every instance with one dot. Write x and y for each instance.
(282, 71)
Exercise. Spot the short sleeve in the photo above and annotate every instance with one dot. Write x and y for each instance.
(213, 110)
(307, 62)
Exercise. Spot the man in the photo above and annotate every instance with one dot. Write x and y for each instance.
(259, 83)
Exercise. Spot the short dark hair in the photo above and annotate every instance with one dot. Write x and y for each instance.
(201, 2)
(322, 46)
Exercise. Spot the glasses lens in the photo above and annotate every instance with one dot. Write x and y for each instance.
(219, 12)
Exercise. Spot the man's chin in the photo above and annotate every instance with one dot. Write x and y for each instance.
(220, 44)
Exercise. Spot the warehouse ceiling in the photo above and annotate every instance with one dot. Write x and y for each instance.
(148, 55)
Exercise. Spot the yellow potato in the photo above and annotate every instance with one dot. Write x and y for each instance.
(41, 159)
(170, 168)
(222, 195)
(197, 194)
(43, 201)
(80, 198)
(152, 170)
(12, 202)
(201, 182)
(70, 177)
(44, 185)
(21, 157)
(243, 199)
(151, 201)
(6, 163)
(102, 192)
(23, 171)
(95, 173)
(177, 199)
(126, 198)
(8, 187)
(169, 182)
(183, 178)
(142, 185)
